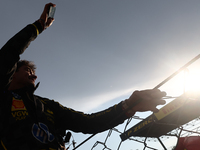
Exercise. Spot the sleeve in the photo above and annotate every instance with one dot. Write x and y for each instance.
(9, 53)
(69, 119)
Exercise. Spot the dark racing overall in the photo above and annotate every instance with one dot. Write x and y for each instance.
(30, 122)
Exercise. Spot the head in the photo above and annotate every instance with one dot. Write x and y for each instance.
(24, 75)
(30, 64)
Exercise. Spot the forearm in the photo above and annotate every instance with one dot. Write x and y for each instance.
(10, 52)
(107, 119)
(93, 123)
(20, 41)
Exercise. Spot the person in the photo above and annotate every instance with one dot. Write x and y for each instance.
(30, 122)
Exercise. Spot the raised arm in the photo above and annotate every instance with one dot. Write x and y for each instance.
(10, 52)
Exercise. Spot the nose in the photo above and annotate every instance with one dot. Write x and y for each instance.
(33, 76)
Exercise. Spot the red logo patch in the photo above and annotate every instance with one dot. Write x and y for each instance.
(17, 105)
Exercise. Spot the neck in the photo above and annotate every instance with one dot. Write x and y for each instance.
(30, 87)
(14, 87)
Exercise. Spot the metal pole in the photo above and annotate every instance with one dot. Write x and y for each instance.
(175, 73)
(161, 143)
(84, 141)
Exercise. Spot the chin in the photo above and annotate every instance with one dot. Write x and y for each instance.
(31, 84)
(30, 87)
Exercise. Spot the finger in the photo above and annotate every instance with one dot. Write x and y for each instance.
(154, 104)
(159, 102)
(155, 110)
(49, 22)
(152, 94)
(158, 94)
(45, 12)
(47, 6)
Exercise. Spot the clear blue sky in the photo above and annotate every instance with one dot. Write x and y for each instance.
(97, 53)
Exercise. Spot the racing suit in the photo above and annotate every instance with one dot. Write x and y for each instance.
(30, 122)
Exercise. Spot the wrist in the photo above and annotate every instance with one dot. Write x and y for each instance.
(38, 26)
(128, 111)
(42, 23)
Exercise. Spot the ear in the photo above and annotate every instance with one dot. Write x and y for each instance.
(14, 75)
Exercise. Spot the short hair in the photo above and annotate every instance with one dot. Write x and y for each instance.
(26, 63)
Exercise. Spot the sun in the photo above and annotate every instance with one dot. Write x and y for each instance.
(186, 81)
(192, 80)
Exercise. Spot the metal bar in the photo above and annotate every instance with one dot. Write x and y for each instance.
(162, 143)
(175, 73)
(84, 141)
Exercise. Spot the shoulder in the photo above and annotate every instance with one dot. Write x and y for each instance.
(49, 102)
(45, 100)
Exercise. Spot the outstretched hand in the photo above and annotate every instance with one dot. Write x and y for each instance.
(44, 20)
(148, 100)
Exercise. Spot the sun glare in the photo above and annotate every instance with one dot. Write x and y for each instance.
(189, 82)
(192, 80)
(186, 81)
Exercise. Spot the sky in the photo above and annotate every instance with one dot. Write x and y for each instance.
(97, 53)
